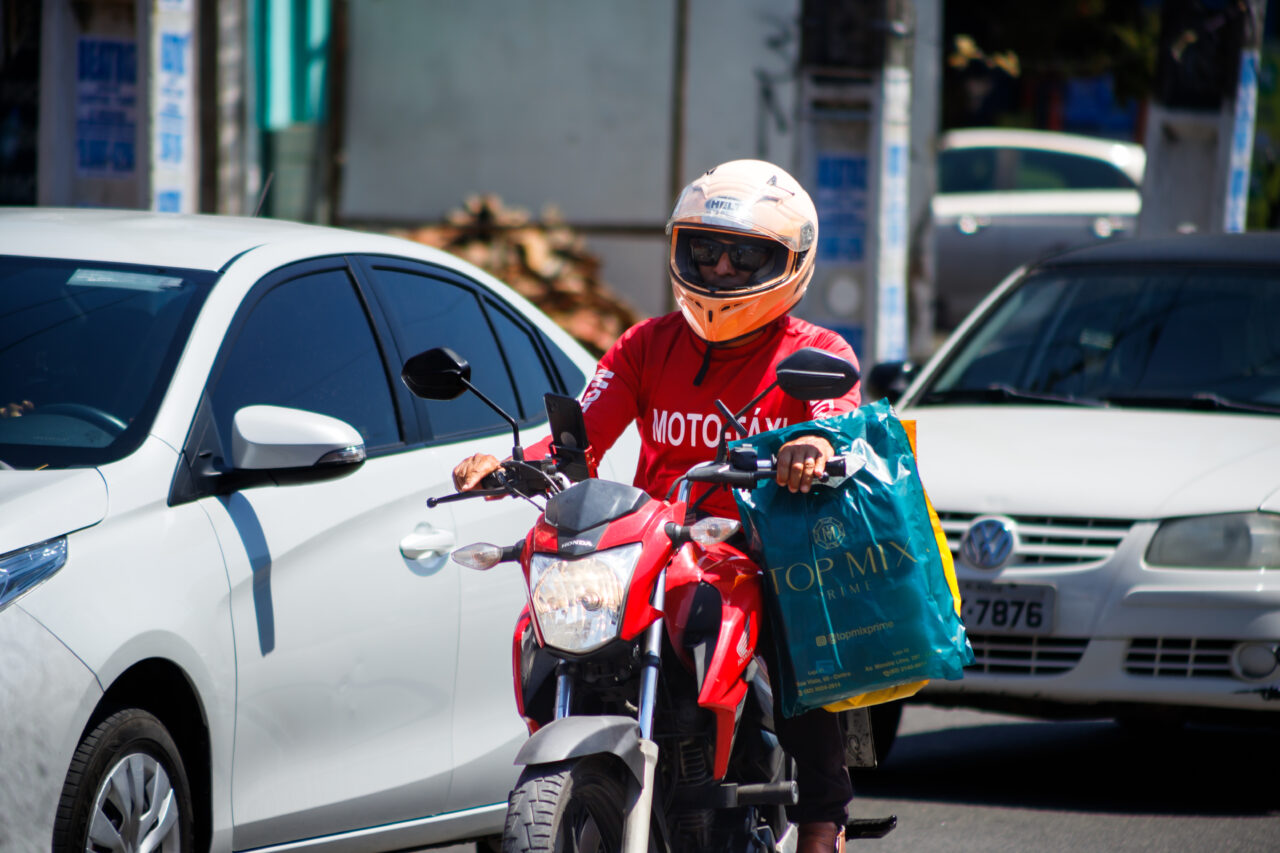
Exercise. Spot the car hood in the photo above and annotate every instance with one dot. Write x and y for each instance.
(1105, 463)
(40, 505)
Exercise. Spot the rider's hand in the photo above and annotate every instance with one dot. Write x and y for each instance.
(470, 471)
(801, 460)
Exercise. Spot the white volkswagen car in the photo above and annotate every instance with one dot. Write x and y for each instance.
(228, 620)
(1101, 439)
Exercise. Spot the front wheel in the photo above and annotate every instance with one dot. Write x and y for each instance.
(126, 791)
(568, 806)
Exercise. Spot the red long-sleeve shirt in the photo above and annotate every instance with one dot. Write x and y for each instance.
(648, 377)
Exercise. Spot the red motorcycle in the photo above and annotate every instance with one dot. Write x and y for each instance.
(635, 658)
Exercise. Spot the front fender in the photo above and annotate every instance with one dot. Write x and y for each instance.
(576, 737)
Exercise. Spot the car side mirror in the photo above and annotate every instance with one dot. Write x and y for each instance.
(437, 374)
(274, 443)
(889, 379)
(814, 374)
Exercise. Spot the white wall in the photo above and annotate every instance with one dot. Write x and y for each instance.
(562, 102)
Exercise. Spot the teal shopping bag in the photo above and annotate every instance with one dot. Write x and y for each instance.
(855, 583)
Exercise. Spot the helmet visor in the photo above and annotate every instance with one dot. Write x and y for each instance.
(699, 255)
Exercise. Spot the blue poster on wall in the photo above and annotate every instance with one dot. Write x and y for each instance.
(841, 198)
(106, 108)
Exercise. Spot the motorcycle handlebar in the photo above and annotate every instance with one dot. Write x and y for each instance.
(744, 471)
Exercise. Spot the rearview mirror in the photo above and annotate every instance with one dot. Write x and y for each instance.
(814, 374)
(889, 379)
(442, 374)
(437, 374)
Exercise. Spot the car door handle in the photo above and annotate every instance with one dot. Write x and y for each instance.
(426, 540)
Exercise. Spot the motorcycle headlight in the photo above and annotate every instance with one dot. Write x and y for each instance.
(1245, 540)
(24, 569)
(578, 601)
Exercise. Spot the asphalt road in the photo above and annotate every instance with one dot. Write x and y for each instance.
(962, 781)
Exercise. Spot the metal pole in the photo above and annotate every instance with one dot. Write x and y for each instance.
(679, 75)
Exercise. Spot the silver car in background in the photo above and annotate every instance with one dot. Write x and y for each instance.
(1008, 197)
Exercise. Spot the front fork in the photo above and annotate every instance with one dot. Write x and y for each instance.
(639, 810)
(635, 831)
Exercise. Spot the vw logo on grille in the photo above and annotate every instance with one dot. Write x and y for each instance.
(988, 544)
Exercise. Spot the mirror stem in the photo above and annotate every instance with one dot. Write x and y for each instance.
(734, 423)
(757, 399)
(517, 452)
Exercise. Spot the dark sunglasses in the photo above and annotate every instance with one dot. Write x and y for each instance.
(745, 256)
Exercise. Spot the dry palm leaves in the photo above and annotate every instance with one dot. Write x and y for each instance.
(546, 262)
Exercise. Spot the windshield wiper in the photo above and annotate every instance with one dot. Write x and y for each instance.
(1001, 393)
(1198, 401)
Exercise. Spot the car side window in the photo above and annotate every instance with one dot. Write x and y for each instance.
(529, 369)
(967, 170)
(1051, 170)
(429, 312)
(307, 344)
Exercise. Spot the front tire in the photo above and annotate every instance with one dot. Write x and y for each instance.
(126, 790)
(568, 806)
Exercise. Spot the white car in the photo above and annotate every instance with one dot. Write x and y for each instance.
(1007, 197)
(1101, 439)
(228, 619)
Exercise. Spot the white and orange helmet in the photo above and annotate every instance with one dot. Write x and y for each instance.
(771, 225)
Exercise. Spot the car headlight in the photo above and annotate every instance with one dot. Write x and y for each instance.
(1245, 540)
(578, 601)
(21, 570)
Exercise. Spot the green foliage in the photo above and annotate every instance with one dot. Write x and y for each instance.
(1058, 40)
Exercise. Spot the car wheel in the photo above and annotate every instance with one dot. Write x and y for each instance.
(126, 790)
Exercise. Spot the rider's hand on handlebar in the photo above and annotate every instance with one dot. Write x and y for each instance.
(801, 460)
(470, 471)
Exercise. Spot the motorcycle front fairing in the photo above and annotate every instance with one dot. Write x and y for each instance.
(714, 608)
(596, 517)
(714, 590)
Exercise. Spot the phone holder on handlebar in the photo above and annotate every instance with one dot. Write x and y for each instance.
(569, 444)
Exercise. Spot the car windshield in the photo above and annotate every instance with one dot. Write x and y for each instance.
(1189, 337)
(86, 352)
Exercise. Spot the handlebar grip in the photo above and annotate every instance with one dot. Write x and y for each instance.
(724, 475)
(835, 466)
(743, 479)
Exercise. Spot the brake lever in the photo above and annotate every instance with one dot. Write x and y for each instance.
(462, 496)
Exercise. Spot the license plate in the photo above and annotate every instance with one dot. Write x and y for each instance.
(1006, 608)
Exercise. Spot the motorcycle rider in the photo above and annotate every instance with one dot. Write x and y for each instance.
(742, 241)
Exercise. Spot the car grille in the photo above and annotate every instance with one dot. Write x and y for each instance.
(999, 654)
(1166, 657)
(1048, 541)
